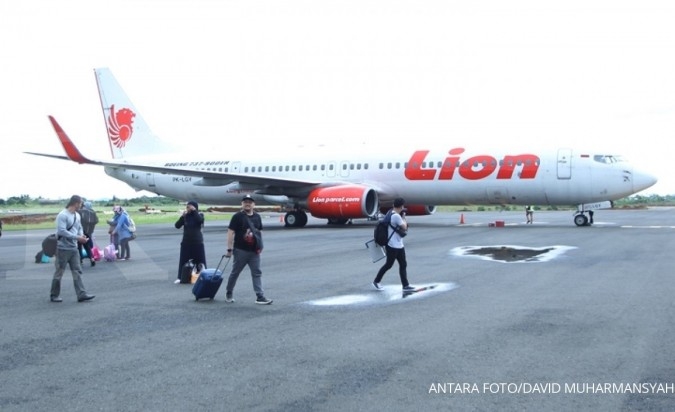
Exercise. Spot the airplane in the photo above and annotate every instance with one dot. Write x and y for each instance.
(351, 182)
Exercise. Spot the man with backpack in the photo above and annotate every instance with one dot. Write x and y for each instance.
(89, 220)
(395, 250)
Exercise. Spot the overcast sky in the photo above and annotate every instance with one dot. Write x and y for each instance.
(266, 74)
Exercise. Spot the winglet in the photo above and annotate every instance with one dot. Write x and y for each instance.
(71, 151)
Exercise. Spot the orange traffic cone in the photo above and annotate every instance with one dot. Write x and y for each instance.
(461, 219)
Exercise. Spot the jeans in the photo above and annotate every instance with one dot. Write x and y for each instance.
(394, 255)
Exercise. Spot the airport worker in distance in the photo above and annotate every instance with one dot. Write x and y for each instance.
(68, 234)
(529, 212)
(245, 226)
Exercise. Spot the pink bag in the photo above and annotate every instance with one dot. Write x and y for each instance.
(109, 253)
(96, 253)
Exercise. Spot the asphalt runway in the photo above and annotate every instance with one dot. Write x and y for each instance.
(590, 326)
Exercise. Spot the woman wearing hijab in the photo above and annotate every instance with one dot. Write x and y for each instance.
(192, 245)
(119, 229)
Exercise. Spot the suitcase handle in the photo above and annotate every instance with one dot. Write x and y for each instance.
(221, 261)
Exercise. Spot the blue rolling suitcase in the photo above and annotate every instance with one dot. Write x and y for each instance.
(209, 282)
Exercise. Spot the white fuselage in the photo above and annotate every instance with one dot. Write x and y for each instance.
(449, 176)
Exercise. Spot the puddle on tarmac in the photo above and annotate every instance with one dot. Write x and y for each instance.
(389, 293)
(512, 253)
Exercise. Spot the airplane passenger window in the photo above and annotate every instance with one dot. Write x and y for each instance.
(389, 165)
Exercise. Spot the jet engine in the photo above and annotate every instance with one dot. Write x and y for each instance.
(342, 202)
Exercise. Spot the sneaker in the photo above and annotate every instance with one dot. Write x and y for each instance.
(377, 286)
(408, 288)
(229, 298)
(177, 281)
(263, 300)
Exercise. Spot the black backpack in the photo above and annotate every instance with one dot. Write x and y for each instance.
(49, 245)
(88, 219)
(381, 233)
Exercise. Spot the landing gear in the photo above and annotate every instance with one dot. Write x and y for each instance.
(580, 218)
(295, 219)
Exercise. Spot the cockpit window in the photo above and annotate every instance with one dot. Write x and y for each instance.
(608, 159)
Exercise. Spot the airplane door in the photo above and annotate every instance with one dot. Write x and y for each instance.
(235, 167)
(564, 163)
(150, 179)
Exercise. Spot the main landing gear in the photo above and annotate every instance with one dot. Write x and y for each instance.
(580, 218)
(295, 218)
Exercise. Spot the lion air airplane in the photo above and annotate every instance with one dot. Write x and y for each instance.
(351, 182)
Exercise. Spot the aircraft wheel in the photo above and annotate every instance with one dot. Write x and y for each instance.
(295, 219)
(580, 220)
(291, 219)
(302, 219)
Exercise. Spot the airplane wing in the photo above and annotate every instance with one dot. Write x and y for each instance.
(211, 178)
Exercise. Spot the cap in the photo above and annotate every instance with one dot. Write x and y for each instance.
(247, 197)
(399, 202)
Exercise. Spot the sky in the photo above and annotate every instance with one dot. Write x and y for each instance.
(270, 75)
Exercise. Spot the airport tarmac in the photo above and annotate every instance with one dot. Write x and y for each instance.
(589, 326)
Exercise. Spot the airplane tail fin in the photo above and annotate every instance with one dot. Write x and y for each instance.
(128, 134)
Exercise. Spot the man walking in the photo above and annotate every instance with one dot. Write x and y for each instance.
(69, 234)
(244, 240)
(395, 249)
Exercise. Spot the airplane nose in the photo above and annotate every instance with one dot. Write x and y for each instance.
(642, 180)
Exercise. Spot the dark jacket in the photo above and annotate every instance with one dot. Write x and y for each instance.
(192, 224)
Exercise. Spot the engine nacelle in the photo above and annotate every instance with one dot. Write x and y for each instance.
(347, 201)
(414, 210)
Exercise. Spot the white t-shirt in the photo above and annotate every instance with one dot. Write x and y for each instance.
(395, 240)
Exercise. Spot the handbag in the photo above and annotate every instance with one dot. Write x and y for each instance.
(256, 235)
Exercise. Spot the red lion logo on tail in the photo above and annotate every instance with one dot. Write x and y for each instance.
(120, 126)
